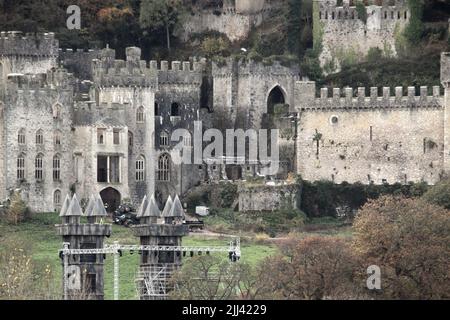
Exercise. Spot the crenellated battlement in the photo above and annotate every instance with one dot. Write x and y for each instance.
(132, 72)
(15, 43)
(57, 78)
(368, 98)
(252, 68)
(179, 72)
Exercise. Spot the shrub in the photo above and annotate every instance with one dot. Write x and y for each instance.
(17, 211)
(439, 194)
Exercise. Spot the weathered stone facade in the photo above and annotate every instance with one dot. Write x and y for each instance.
(111, 133)
(343, 35)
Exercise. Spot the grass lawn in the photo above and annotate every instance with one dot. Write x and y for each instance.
(38, 236)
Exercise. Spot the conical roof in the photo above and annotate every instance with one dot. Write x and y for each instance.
(90, 206)
(142, 207)
(99, 208)
(177, 209)
(65, 206)
(74, 208)
(152, 208)
(167, 207)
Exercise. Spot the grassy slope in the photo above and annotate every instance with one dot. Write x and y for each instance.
(39, 236)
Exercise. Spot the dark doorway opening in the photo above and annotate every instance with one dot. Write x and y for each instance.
(276, 96)
(111, 198)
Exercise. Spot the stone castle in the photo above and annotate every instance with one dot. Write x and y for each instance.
(83, 122)
(346, 34)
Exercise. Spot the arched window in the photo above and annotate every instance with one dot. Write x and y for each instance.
(164, 168)
(164, 139)
(140, 169)
(21, 136)
(276, 97)
(56, 168)
(175, 110)
(56, 111)
(38, 167)
(140, 115)
(57, 138)
(57, 198)
(21, 167)
(156, 109)
(39, 137)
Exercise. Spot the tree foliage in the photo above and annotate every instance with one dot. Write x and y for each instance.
(410, 241)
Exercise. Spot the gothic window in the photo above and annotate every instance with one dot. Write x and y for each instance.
(39, 137)
(56, 111)
(164, 139)
(140, 169)
(164, 168)
(140, 115)
(57, 198)
(21, 167)
(38, 168)
(175, 110)
(56, 168)
(57, 138)
(21, 136)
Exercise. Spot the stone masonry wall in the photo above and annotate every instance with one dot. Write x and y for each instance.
(376, 139)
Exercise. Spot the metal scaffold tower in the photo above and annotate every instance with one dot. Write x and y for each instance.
(161, 250)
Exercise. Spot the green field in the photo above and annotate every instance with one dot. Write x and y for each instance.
(38, 237)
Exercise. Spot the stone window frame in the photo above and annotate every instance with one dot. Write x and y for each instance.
(164, 165)
(164, 139)
(101, 136)
(140, 115)
(140, 168)
(21, 166)
(56, 167)
(56, 110)
(57, 198)
(39, 167)
(21, 136)
(39, 137)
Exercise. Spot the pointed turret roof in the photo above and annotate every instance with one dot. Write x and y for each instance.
(152, 208)
(90, 206)
(167, 207)
(143, 207)
(74, 208)
(65, 206)
(177, 210)
(99, 208)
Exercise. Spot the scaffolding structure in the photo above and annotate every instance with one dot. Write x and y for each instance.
(152, 282)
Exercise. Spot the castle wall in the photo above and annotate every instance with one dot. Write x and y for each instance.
(268, 198)
(372, 139)
(346, 37)
(32, 53)
(243, 89)
(31, 107)
(79, 62)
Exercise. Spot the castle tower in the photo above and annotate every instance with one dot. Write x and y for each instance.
(164, 229)
(83, 274)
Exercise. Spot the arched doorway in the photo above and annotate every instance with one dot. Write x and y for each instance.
(111, 198)
(276, 96)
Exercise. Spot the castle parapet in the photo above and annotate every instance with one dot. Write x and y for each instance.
(179, 72)
(366, 98)
(15, 43)
(132, 72)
